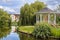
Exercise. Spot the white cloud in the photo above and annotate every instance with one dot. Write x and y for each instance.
(1, 7)
(7, 9)
(27, 1)
(6, 0)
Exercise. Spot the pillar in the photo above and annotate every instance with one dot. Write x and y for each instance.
(37, 18)
(40, 17)
(55, 19)
(48, 18)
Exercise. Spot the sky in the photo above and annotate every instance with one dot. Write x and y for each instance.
(15, 5)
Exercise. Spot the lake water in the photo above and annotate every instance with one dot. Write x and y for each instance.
(30, 37)
(11, 35)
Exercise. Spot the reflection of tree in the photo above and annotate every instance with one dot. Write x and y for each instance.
(4, 32)
(29, 37)
(26, 37)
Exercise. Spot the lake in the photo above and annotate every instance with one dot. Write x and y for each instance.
(12, 35)
(9, 35)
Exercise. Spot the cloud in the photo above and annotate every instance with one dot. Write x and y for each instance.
(27, 1)
(6, 1)
(15, 5)
(52, 4)
(7, 9)
(1, 7)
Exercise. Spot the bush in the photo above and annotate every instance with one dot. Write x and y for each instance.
(55, 32)
(5, 20)
(42, 30)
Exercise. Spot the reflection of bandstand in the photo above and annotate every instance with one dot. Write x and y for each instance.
(46, 15)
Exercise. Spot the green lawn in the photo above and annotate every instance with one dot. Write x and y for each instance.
(26, 29)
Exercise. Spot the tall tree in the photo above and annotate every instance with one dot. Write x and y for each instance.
(38, 5)
(27, 16)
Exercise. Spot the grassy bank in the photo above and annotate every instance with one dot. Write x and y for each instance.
(26, 29)
(29, 29)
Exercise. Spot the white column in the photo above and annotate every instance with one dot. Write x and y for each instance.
(48, 18)
(37, 18)
(40, 17)
(54, 18)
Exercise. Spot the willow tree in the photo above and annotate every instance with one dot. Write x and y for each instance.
(27, 16)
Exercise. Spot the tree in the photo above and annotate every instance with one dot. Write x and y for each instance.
(38, 5)
(58, 16)
(58, 8)
(5, 20)
(27, 16)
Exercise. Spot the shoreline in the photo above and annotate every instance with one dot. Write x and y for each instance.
(51, 37)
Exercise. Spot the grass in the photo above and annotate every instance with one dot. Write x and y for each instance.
(26, 29)
(29, 29)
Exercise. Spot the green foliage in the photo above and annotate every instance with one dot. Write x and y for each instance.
(58, 15)
(4, 32)
(52, 17)
(46, 30)
(58, 19)
(14, 23)
(5, 20)
(55, 32)
(42, 30)
(5, 23)
(38, 5)
(27, 16)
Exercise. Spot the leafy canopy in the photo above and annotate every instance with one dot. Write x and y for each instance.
(4, 18)
(27, 16)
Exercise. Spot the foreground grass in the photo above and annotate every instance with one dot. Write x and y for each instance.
(26, 29)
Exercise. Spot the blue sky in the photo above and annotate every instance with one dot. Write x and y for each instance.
(15, 5)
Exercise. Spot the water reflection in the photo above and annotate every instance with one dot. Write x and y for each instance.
(7, 34)
(29, 37)
(4, 31)
(11, 36)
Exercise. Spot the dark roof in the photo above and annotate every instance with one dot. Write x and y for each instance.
(46, 10)
(16, 14)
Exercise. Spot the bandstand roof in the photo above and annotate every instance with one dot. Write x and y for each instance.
(47, 10)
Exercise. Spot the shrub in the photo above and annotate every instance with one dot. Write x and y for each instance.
(5, 20)
(55, 32)
(42, 30)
